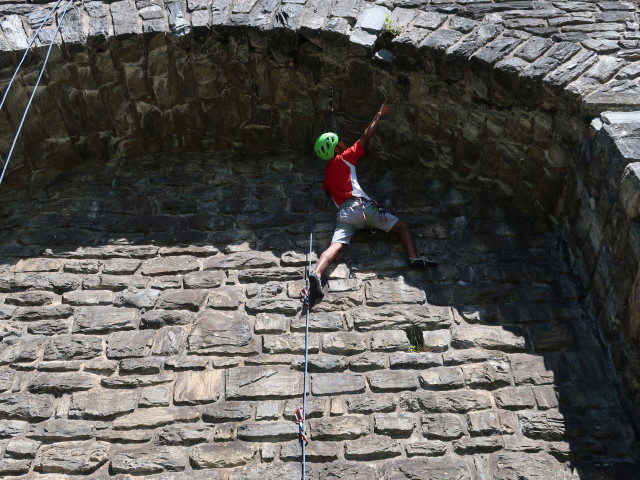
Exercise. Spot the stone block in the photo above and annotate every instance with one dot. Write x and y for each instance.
(436, 340)
(53, 382)
(157, 396)
(492, 338)
(241, 260)
(206, 279)
(441, 378)
(104, 319)
(268, 431)
(275, 471)
(120, 266)
(101, 403)
(155, 417)
(135, 381)
(57, 430)
(320, 322)
(344, 343)
(443, 426)
(477, 445)
(130, 344)
(488, 375)
(262, 382)
(230, 297)
(456, 401)
(88, 297)
(160, 318)
(314, 452)
(29, 298)
(414, 360)
(337, 384)
(273, 306)
(141, 299)
(182, 299)
(198, 387)
(381, 292)
(233, 454)
(432, 448)
(394, 317)
(339, 428)
(392, 381)
(144, 462)
(170, 265)
(228, 412)
(394, 424)
(72, 458)
(27, 314)
(124, 17)
(368, 404)
(270, 323)
(12, 428)
(372, 448)
(389, 341)
(291, 343)
(22, 448)
(222, 332)
(73, 347)
(12, 467)
(141, 366)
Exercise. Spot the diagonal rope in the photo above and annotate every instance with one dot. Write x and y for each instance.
(26, 52)
(35, 88)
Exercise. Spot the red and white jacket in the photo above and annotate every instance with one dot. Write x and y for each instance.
(340, 178)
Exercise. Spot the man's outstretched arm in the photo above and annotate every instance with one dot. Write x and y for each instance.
(371, 128)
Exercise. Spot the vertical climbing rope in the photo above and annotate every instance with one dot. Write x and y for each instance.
(301, 413)
(35, 88)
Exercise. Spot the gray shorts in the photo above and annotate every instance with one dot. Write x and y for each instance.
(356, 214)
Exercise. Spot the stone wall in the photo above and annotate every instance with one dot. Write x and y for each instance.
(165, 282)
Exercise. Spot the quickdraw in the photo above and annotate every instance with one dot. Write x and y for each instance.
(305, 298)
(299, 419)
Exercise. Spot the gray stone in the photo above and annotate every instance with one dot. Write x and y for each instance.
(130, 344)
(344, 343)
(22, 448)
(339, 428)
(100, 403)
(134, 381)
(275, 471)
(262, 382)
(141, 366)
(222, 332)
(441, 378)
(492, 338)
(228, 412)
(458, 401)
(104, 319)
(155, 417)
(63, 430)
(337, 384)
(372, 448)
(183, 434)
(198, 387)
(241, 260)
(160, 318)
(88, 297)
(55, 382)
(182, 300)
(207, 279)
(392, 381)
(229, 455)
(389, 341)
(367, 404)
(142, 462)
(12, 428)
(73, 458)
(141, 299)
(292, 343)
(159, 396)
(268, 431)
(397, 424)
(73, 347)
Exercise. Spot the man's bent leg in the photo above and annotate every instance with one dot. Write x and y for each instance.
(409, 244)
(406, 238)
(328, 256)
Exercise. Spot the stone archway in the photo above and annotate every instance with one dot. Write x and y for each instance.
(493, 108)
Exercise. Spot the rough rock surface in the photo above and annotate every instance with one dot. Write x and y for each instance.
(152, 250)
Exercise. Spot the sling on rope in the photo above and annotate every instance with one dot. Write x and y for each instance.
(35, 88)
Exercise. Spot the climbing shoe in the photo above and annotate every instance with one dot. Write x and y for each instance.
(421, 262)
(315, 286)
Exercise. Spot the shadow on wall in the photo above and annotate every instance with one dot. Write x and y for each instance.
(171, 282)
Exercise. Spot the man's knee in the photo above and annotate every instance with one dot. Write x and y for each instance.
(400, 227)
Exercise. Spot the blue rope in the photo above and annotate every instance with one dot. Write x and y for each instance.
(35, 88)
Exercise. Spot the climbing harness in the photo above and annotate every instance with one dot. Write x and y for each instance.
(301, 413)
(35, 88)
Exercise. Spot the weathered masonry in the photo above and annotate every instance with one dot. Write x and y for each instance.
(154, 224)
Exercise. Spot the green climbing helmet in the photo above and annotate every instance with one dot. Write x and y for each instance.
(325, 145)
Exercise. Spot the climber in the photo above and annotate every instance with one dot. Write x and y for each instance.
(356, 210)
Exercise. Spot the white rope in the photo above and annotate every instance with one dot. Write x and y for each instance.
(24, 115)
